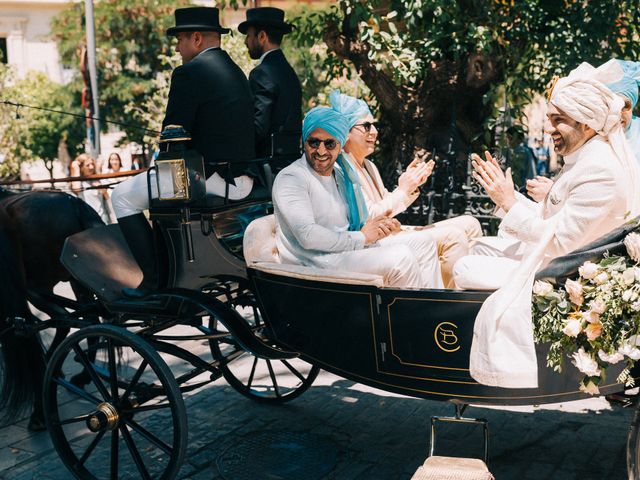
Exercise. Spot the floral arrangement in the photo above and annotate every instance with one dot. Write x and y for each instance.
(595, 319)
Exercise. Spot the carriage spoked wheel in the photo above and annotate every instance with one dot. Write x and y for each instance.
(129, 421)
(262, 380)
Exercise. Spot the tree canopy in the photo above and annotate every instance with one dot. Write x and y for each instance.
(130, 45)
(433, 64)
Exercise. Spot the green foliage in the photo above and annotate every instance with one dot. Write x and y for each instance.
(130, 47)
(423, 58)
(30, 134)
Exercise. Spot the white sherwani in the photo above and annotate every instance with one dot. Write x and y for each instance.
(312, 229)
(588, 200)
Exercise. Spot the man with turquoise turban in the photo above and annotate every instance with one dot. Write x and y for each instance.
(322, 221)
(452, 236)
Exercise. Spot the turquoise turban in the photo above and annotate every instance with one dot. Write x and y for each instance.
(352, 108)
(629, 79)
(328, 120)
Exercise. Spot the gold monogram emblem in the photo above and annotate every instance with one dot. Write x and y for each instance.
(446, 338)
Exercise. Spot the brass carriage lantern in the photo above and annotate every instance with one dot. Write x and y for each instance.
(180, 171)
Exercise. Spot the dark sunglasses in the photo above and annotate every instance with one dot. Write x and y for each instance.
(329, 143)
(367, 126)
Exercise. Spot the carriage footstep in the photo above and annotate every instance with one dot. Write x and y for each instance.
(452, 468)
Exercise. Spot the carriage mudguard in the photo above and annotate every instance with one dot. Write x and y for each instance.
(230, 319)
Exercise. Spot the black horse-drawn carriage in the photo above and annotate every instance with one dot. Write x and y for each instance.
(113, 390)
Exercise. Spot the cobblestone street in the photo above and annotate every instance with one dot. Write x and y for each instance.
(375, 435)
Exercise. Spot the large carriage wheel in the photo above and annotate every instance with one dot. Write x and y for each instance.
(266, 381)
(129, 421)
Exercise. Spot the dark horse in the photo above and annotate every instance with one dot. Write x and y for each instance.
(33, 228)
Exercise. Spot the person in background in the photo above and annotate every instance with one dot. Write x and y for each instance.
(94, 197)
(451, 236)
(542, 157)
(114, 163)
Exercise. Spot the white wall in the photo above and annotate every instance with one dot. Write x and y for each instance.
(26, 25)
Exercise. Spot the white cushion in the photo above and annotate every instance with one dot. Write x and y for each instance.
(259, 243)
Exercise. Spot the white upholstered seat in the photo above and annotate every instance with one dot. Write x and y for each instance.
(261, 253)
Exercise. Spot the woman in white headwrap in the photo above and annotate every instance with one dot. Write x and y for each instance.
(451, 236)
(596, 191)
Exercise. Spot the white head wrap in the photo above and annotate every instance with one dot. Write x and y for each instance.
(583, 96)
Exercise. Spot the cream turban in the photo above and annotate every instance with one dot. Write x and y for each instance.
(583, 96)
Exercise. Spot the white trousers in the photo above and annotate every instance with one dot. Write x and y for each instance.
(405, 260)
(491, 264)
(131, 197)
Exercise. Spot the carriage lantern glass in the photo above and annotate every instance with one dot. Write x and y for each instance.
(173, 179)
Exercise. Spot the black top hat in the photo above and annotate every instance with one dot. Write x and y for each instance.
(197, 19)
(265, 17)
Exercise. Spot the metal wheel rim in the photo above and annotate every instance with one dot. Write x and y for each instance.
(173, 399)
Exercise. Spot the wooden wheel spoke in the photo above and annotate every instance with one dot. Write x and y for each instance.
(69, 421)
(135, 379)
(273, 378)
(253, 372)
(142, 469)
(149, 436)
(88, 366)
(91, 447)
(294, 371)
(77, 390)
(113, 374)
(114, 454)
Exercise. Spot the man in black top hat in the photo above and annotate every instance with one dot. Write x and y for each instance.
(275, 86)
(211, 98)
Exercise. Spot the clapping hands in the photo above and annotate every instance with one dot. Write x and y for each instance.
(498, 184)
(538, 187)
(379, 227)
(417, 172)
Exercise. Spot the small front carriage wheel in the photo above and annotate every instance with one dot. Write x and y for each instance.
(129, 421)
(262, 380)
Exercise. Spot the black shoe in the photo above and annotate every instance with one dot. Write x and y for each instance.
(139, 236)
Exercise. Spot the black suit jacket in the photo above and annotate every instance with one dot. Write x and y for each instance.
(277, 102)
(211, 98)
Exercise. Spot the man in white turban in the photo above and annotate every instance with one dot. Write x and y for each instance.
(596, 191)
(623, 78)
(321, 222)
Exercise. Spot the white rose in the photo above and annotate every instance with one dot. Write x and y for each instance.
(574, 289)
(637, 272)
(542, 288)
(572, 328)
(590, 388)
(598, 306)
(612, 359)
(587, 365)
(629, 276)
(601, 278)
(588, 271)
(635, 306)
(632, 243)
(626, 296)
(629, 350)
